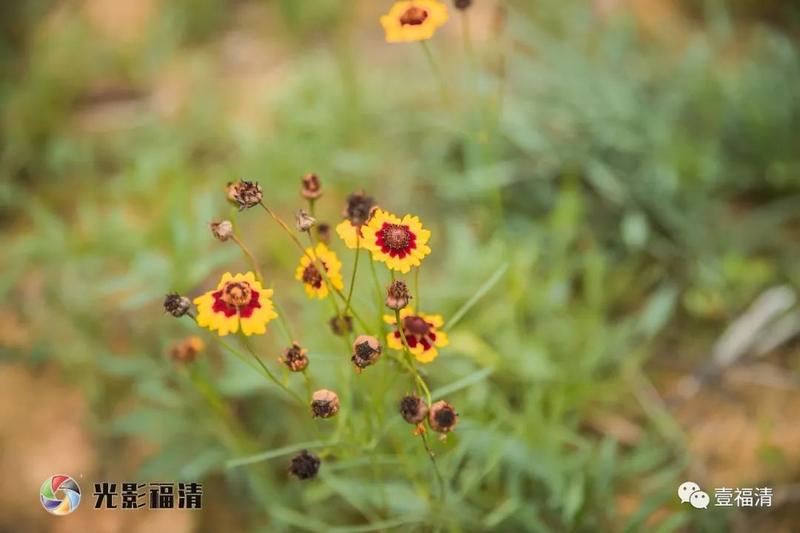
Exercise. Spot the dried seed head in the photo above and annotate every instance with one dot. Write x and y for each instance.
(324, 403)
(304, 221)
(462, 4)
(186, 350)
(324, 232)
(359, 208)
(366, 351)
(397, 296)
(341, 325)
(222, 230)
(245, 194)
(413, 409)
(295, 357)
(311, 188)
(442, 417)
(304, 465)
(177, 305)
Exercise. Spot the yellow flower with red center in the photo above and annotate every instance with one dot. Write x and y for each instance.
(308, 271)
(422, 332)
(414, 20)
(401, 244)
(239, 301)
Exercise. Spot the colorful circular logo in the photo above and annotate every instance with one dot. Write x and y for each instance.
(60, 495)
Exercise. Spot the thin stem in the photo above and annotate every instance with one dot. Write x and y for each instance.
(432, 456)
(420, 382)
(381, 327)
(437, 71)
(272, 376)
(417, 305)
(353, 277)
(250, 257)
(307, 381)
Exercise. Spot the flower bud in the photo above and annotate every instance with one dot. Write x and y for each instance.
(413, 409)
(295, 358)
(177, 305)
(341, 325)
(366, 351)
(222, 230)
(187, 350)
(324, 403)
(304, 221)
(304, 465)
(245, 194)
(442, 417)
(311, 188)
(397, 296)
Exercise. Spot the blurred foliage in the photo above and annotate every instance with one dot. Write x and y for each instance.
(612, 187)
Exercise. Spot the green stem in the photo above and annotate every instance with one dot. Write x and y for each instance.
(431, 455)
(437, 71)
(272, 376)
(420, 382)
(417, 305)
(353, 277)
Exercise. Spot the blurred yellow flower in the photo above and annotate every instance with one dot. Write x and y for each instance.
(422, 334)
(414, 20)
(238, 301)
(401, 244)
(309, 274)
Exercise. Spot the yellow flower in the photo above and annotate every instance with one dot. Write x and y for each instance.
(401, 244)
(422, 334)
(348, 233)
(414, 20)
(307, 271)
(238, 301)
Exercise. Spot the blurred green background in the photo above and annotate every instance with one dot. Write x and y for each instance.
(618, 180)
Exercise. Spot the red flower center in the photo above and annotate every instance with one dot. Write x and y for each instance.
(236, 296)
(414, 16)
(312, 276)
(395, 240)
(417, 331)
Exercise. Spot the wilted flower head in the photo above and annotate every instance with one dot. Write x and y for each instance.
(295, 357)
(311, 188)
(324, 232)
(358, 208)
(177, 305)
(462, 4)
(397, 296)
(341, 325)
(304, 221)
(442, 417)
(413, 409)
(324, 403)
(222, 230)
(305, 465)
(186, 350)
(366, 351)
(245, 194)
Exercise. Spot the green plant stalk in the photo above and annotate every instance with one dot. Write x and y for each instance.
(437, 72)
(439, 477)
(353, 276)
(270, 375)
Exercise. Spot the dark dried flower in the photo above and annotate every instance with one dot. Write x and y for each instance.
(324, 232)
(442, 417)
(462, 4)
(311, 188)
(397, 296)
(186, 350)
(295, 358)
(359, 208)
(413, 409)
(324, 403)
(245, 194)
(341, 325)
(177, 305)
(366, 351)
(305, 465)
(304, 221)
(222, 230)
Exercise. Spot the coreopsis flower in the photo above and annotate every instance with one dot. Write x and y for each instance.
(310, 187)
(422, 333)
(187, 350)
(442, 417)
(401, 244)
(356, 213)
(397, 296)
(245, 194)
(308, 271)
(303, 221)
(413, 409)
(324, 403)
(341, 325)
(366, 351)
(239, 301)
(414, 20)
(177, 305)
(305, 465)
(221, 230)
(295, 357)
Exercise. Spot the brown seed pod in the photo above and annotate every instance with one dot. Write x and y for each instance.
(366, 351)
(341, 325)
(442, 417)
(324, 403)
(177, 305)
(221, 230)
(397, 295)
(304, 221)
(413, 409)
(305, 465)
(245, 194)
(311, 187)
(295, 357)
